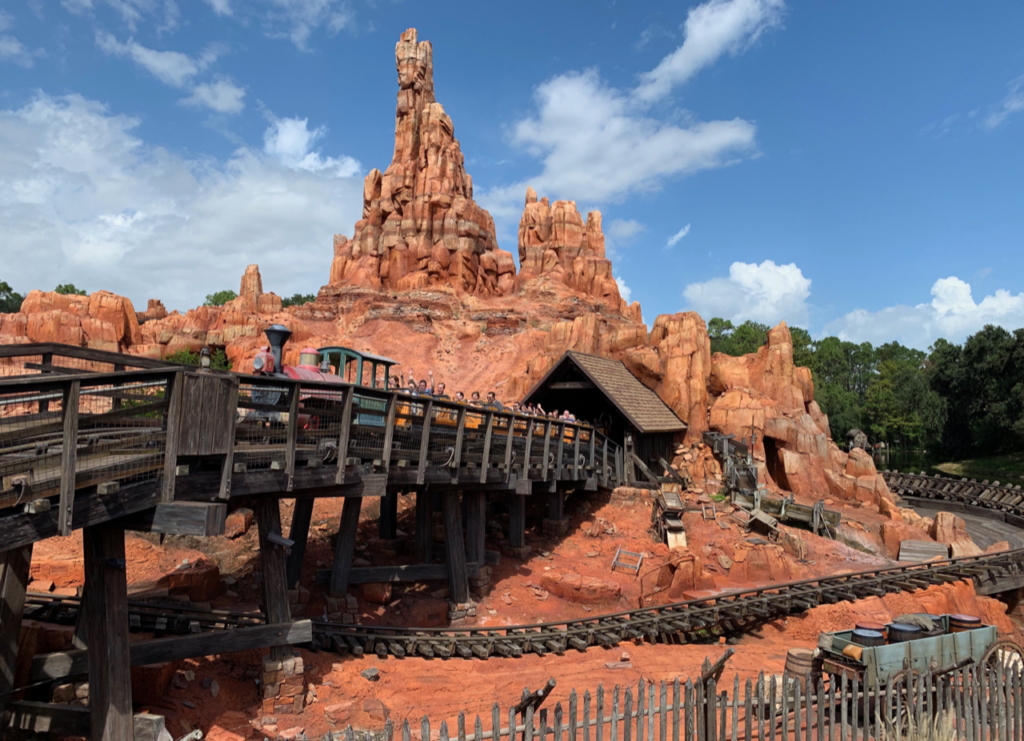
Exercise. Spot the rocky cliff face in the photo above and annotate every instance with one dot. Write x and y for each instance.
(421, 226)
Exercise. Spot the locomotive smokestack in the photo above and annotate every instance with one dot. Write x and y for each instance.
(277, 335)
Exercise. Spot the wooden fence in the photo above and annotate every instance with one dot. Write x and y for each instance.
(973, 703)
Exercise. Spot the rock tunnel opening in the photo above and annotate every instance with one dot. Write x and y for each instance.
(773, 463)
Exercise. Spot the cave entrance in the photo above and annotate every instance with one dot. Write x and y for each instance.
(773, 463)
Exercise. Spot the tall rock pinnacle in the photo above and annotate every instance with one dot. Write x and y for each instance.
(421, 226)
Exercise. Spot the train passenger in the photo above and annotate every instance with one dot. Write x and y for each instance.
(439, 391)
(474, 398)
(493, 402)
(461, 397)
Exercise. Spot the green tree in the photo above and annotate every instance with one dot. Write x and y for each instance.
(10, 300)
(731, 340)
(220, 298)
(298, 299)
(218, 358)
(68, 289)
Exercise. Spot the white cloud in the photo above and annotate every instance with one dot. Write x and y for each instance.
(166, 13)
(952, 314)
(221, 95)
(711, 29)
(619, 233)
(302, 17)
(1012, 103)
(291, 142)
(170, 67)
(96, 206)
(766, 293)
(624, 290)
(220, 7)
(12, 50)
(6, 20)
(674, 239)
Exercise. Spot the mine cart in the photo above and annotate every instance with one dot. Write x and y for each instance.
(667, 516)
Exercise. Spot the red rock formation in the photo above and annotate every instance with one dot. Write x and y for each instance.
(421, 226)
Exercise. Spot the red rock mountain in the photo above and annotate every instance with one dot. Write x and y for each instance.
(423, 281)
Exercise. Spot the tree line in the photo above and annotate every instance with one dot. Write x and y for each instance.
(955, 400)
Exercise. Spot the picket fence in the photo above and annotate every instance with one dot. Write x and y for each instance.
(972, 703)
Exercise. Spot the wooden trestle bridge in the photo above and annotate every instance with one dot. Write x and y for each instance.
(106, 442)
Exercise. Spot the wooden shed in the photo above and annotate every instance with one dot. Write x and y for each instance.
(605, 393)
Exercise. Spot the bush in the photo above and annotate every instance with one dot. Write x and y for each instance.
(10, 300)
(68, 289)
(220, 298)
(298, 299)
(218, 358)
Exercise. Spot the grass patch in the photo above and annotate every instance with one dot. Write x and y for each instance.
(1004, 468)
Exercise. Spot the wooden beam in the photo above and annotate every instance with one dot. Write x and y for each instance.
(391, 409)
(173, 420)
(485, 462)
(64, 664)
(203, 519)
(508, 446)
(643, 467)
(293, 435)
(68, 457)
(14, 575)
(593, 451)
(343, 435)
(110, 681)
(424, 525)
(43, 717)
(421, 469)
(547, 449)
(604, 463)
(476, 525)
(561, 446)
(570, 386)
(517, 520)
(410, 573)
(529, 445)
(459, 436)
(458, 577)
(576, 452)
(556, 505)
(273, 561)
(302, 515)
(345, 546)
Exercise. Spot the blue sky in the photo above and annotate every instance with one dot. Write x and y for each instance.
(854, 168)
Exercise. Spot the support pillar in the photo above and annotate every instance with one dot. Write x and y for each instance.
(14, 571)
(424, 526)
(517, 521)
(388, 527)
(106, 600)
(273, 561)
(345, 546)
(458, 576)
(302, 516)
(476, 525)
(556, 523)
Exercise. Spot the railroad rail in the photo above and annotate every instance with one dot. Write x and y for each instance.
(695, 620)
(981, 494)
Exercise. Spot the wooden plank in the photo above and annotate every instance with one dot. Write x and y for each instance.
(106, 601)
(391, 408)
(302, 515)
(293, 435)
(485, 462)
(508, 446)
(14, 575)
(227, 444)
(424, 525)
(571, 385)
(576, 454)
(604, 463)
(68, 458)
(529, 445)
(179, 518)
(44, 717)
(922, 550)
(85, 353)
(343, 435)
(65, 664)
(458, 577)
(421, 469)
(593, 451)
(173, 420)
(273, 562)
(476, 525)
(459, 436)
(345, 546)
(546, 466)
(556, 505)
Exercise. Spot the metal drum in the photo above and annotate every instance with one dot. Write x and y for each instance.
(960, 623)
(900, 632)
(864, 637)
(878, 627)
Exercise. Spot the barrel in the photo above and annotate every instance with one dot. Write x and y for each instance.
(900, 632)
(937, 628)
(800, 661)
(877, 627)
(960, 623)
(864, 637)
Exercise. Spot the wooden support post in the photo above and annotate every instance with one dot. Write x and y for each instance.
(593, 449)
(68, 458)
(576, 452)
(508, 446)
(517, 521)
(110, 681)
(476, 525)
(529, 445)
(388, 523)
(556, 505)
(546, 467)
(343, 435)
(173, 420)
(14, 571)
(293, 436)
(424, 526)
(485, 462)
(558, 454)
(345, 546)
(391, 409)
(458, 576)
(421, 469)
(459, 436)
(604, 463)
(302, 516)
(273, 561)
(44, 404)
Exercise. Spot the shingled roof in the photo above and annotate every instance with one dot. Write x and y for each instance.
(641, 406)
